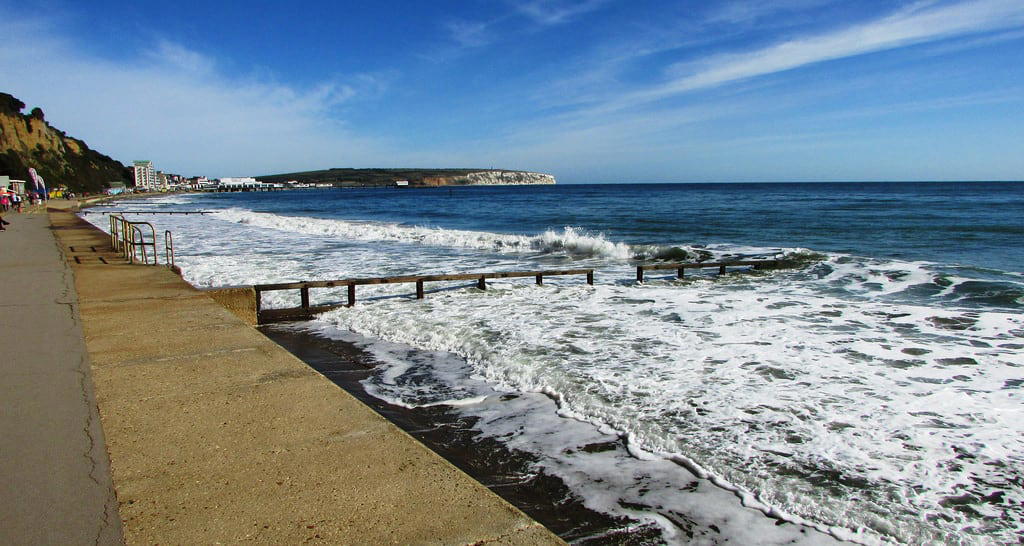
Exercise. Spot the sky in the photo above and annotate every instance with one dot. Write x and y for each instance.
(588, 90)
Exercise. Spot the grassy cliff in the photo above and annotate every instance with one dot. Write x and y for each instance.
(27, 140)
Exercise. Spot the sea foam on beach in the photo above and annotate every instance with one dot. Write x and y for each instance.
(864, 398)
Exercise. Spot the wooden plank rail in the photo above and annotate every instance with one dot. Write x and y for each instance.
(682, 267)
(185, 212)
(307, 310)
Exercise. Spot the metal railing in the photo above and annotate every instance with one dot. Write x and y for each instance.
(130, 239)
(168, 248)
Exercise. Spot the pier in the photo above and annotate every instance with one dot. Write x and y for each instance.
(308, 310)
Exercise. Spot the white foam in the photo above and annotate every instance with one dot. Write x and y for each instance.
(838, 396)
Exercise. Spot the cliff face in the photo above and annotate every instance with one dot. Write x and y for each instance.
(508, 178)
(490, 178)
(27, 140)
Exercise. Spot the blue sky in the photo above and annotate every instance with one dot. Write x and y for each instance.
(588, 90)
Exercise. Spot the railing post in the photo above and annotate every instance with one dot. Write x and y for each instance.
(305, 296)
(481, 284)
(639, 273)
(721, 269)
(540, 280)
(680, 272)
(590, 277)
(419, 289)
(351, 295)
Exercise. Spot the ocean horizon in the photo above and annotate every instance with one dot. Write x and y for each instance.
(872, 395)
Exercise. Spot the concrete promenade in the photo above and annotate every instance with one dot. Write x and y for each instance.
(214, 433)
(55, 483)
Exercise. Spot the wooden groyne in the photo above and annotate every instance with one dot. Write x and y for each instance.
(307, 310)
(682, 267)
(184, 212)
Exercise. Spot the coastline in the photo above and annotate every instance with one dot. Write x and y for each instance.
(514, 475)
(217, 434)
(504, 470)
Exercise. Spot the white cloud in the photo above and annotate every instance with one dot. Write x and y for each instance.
(469, 33)
(172, 105)
(554, 12)
(920, 23)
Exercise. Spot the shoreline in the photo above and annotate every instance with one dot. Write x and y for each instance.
(543, 497)
(217, 434)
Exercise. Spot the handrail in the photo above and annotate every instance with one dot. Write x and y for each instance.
(129, 238)
(168, 248)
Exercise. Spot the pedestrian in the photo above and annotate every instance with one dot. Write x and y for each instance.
(5, 201)
(17, 201)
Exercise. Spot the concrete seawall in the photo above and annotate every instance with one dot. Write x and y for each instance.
(217, 434)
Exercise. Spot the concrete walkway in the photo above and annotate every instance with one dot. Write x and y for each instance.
(55, 485)
(215, 434)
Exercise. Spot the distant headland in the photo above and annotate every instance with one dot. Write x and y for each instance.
(28, 141)
(344, 177)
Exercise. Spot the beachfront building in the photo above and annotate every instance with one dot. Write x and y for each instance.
(145, 175)
(246, 183)
(242, 183)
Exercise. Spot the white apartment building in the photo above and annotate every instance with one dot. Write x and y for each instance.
(145, 175)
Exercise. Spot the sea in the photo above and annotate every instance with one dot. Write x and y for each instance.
(872, 394)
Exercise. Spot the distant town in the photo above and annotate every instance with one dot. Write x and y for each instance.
(148, 179)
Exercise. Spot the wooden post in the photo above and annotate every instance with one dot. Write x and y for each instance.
(721, 269)
(540, 280)
(305, 297)
(481, 284)
(639, 273)
(590, 278)
(679, 274)
(419, 290)
(351, 295)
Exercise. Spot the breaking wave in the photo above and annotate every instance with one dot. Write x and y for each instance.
(573, 241)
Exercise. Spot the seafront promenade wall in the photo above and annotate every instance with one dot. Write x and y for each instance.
(216, 434)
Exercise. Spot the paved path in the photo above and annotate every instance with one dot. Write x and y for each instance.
(55, 485)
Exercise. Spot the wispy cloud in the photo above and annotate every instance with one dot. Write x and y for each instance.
(470, 33)
(920, 23)
(172, 105)
(555, 12)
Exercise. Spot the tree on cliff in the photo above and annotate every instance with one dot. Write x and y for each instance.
(58, 158)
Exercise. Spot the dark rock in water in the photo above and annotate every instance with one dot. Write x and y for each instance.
(703, 255)
(600, 447)
(915, 351)
(672, 254)
(962, 361)
(952, 323)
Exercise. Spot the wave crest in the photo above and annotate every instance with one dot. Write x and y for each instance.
(570, 240)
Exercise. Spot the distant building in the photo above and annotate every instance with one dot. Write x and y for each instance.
(145, 175)
(401, 182)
